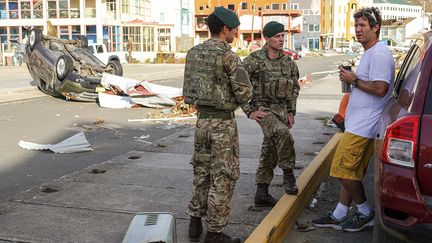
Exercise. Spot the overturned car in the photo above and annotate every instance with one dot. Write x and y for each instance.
(66, 68)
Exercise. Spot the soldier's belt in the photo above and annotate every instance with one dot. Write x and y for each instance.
(219, 115)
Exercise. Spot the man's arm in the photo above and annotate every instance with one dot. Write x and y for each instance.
(377, 87)
(252, 68)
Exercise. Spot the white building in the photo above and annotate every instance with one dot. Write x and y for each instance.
(397, 9)
(401, 32)
(179, 13)
(112, 22)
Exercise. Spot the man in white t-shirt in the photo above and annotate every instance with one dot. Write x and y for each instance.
(371, 87)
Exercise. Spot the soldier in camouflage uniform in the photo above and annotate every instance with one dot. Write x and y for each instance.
(274, 77)
(217, 83)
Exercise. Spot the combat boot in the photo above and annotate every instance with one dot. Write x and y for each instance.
(263, 198)
(195, 229)
(213, 237)
(289, 182)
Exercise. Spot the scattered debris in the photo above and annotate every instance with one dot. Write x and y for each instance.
(74, 144)
(303, 227)
(97, 171)
(163, 119)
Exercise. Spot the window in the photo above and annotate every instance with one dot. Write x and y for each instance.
(231, 7)
(259, 8)
(313, 43)
(64, 32)
(133, 33)
(267, 7)
(3, 14)
(164, 40)
(125, 6)
(63, 9)
(314, 28)
(75, 8)
(161, 17)
(52, 9)
(244, 6)
(37, 9)
(201, 24)
(147, 36)
(90, 9)
(3, 35)
(284, 6)
(91, 33)
(76, 31)
(201, 8)
(13, 9)
(294, 6)
(25, 10)
(275, 6)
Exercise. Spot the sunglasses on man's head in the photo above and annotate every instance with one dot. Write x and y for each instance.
(371, 14)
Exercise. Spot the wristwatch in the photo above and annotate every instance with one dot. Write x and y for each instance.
(355, 82)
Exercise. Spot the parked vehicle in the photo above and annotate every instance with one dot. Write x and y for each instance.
(290, 53)
(114, 59)
(64, 68)
(403, 152)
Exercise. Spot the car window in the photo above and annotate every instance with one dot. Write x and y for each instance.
(410, 61)
(90, 48)
(99, 49)
(428, 105)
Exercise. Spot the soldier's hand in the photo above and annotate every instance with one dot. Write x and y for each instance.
(290, 120)
(257, 115)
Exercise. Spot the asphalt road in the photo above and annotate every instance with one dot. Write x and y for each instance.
(50, 120)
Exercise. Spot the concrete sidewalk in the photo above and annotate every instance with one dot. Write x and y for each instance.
(98, 203)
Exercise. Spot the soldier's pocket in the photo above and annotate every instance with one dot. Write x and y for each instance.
(352, 158)
(231, 167)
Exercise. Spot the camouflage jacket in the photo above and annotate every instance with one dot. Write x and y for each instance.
(275, 81)
(226, 91)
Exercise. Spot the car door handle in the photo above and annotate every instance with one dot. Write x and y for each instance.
(428, 165)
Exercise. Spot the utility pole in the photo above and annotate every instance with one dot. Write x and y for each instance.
(252, 27)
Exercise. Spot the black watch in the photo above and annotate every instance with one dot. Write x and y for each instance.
(354, 83)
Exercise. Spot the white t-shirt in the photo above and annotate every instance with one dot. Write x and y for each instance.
(364, 109)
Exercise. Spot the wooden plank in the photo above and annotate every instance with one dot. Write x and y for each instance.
(279, 221)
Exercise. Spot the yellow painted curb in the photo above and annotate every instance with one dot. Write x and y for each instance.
(279, 221)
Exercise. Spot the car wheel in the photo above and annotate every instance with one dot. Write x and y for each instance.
(84, 41)
(380, 235)
(64, 66)
(115, 67)
(35, 37)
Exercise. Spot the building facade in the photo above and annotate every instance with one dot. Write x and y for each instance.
(179, 13)
(112, 22)
(253, 15)
(398, 9)
(337, 22)
(309, 37)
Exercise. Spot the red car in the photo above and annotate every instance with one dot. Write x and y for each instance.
(294, 55)
(403, 152)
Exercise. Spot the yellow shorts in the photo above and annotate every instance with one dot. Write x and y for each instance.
(352, 157)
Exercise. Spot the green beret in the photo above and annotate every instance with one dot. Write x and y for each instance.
(228, 17)
(272, 28)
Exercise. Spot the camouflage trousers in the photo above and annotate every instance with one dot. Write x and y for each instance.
(277, 147)
(216, 170)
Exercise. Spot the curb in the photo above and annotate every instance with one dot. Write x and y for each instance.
(280, 220)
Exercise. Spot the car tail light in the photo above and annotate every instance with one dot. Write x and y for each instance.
(400, 141)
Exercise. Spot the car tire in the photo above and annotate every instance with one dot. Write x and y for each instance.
(63, 67)
(380, 235)
(116, 67)
(35, 37)
(84, 41)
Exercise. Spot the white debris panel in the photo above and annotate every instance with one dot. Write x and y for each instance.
(135, 92)
(76, 143)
